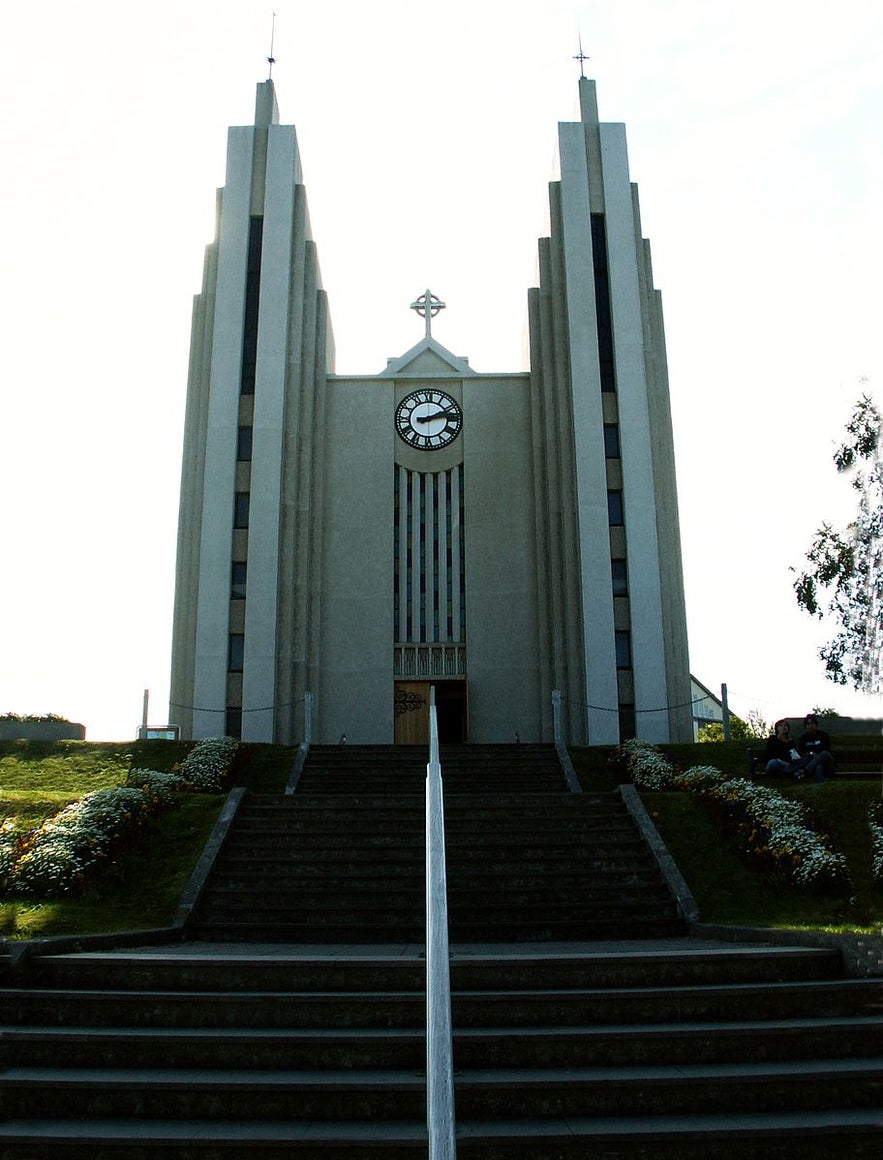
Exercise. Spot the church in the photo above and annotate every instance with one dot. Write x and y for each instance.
(510, 539)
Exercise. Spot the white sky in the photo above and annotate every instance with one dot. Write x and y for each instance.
(427, 134)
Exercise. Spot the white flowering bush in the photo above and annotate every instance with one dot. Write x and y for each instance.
(160, 786)
(10, 840)
(778, 833)
(648, 768)
(773, 830)
(56, 858)
(207, 766)
(875, 821)
(699, 778)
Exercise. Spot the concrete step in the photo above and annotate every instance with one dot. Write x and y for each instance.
(853, 1133)
(206, 1094)
(103, 1139)
(502, 1047)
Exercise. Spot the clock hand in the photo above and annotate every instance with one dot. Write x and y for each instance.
(437, 415)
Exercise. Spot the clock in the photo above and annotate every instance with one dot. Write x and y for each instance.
(428, 419)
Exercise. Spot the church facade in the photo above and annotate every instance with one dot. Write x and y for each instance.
(346, 542)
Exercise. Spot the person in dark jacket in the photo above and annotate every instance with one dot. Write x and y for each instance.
(780, 755)
(814, 747)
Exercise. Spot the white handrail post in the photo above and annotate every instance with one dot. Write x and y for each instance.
(439, 1045)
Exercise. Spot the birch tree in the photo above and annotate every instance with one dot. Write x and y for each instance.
(843, 579)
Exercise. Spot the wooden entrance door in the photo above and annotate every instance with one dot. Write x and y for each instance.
(412, 712)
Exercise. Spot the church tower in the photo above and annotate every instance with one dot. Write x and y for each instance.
(347, 541)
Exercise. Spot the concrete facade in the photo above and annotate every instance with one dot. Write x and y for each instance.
(320, 553)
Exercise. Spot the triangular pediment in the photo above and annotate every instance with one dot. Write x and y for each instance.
(428, 359)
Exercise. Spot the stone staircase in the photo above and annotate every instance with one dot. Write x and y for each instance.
(585, 1023)
(342, 859)
(668, 1049)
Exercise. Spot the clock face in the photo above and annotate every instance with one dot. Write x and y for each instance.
(428, 419)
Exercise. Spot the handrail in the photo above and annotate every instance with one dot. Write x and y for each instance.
(439, 1043)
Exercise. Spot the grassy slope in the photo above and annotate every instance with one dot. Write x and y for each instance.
(142, 885)
(726, 886)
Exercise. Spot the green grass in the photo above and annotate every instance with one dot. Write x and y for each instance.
(142, 885)
(727, 888)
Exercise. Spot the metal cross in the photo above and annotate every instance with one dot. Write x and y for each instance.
(582, 58)
(428, 306)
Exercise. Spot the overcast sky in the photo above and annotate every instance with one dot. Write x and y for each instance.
(427, 135)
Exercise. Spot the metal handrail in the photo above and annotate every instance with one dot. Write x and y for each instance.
(439, 1041)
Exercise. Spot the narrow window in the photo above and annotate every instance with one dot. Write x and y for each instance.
(243, 444)
(236, 654)
(619, 572)
(627, 722)
(252, 305)
(615, 514)
(238, 575)
(233, 722)
(611, 441)
(623, 641)
(606, 364)
(240, 509)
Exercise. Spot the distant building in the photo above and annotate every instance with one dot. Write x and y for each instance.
(356, 538)
(707, 708)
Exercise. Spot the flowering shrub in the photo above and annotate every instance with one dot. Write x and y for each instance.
(777, 832)
(9, 842)
(773, 829)
(699, 778)
(55, 858)
(875, 821)
(649, 769)
(159, 786)
(207, 766)
(58, 857)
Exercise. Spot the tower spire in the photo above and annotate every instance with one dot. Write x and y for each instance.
(271, 60)
(581, 57)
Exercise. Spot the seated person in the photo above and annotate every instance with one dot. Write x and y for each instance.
(814, 747)
(781, 756)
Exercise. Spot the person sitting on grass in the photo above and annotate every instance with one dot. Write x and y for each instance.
(814, 746)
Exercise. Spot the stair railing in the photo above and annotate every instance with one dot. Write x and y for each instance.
(439, 1041)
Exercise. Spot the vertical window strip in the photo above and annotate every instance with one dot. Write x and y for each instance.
(462, 535)
(604, 317)
(436, 536)
(414, 557)
(252, 306)
(396, 550)
(421, 553)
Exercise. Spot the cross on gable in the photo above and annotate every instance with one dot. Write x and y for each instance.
(428, 306)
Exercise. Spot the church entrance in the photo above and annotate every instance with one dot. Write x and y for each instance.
(411, 706)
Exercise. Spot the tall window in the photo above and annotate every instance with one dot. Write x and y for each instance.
(252, 304)
(620, 574)
(611, 441)
(236, 654)
(238, 576)
(623, 641)
(615, 510)
(602, 303)
(240, 509)
(243, 443)
(429, 569)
